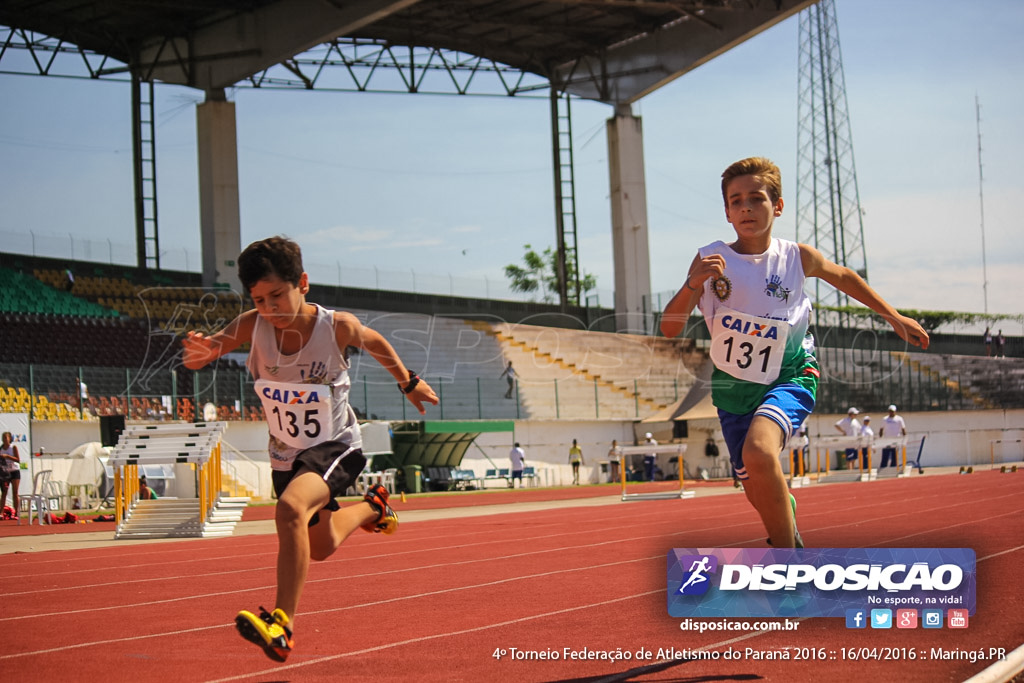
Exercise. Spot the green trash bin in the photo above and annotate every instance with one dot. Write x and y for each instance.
(413, 478)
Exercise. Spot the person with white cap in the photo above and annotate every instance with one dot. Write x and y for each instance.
(892, 426)
(867, 435)
(649, 458)
(849, 426)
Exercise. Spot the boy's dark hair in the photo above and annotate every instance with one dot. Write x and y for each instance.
(273, 256)
(761, 168)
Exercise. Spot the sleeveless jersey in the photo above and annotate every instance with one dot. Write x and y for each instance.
(304, 395)
(758, 314)
(8, 466)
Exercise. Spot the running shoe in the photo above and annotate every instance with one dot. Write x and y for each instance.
(270, 630)
(799, 542)
(387, 520)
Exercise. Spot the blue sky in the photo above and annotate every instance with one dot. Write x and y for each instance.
(441, 192)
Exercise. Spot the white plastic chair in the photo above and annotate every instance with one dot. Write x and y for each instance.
(39, 498)
(388, 479)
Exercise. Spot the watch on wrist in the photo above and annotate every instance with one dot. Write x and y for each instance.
(413, 381)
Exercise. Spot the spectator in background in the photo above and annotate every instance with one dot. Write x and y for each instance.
(145, 491)
(575, 459)
(868, 435)
(801, 448)
(649, 458)
(10, 474)
(518, 459)
(510, 376)
(988, 341)
(892, 427)
(69, 280)
(615, 460)
(1000, 345)
(849, 426)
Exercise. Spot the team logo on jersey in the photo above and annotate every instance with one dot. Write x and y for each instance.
(773, 287)
(317, 373)
(272, 369)
(722, 287)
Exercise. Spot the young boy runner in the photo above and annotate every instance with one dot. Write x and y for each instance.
(301, 371)
(751, 292)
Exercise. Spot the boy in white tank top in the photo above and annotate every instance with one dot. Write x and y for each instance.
(766, 376)
(301, 373)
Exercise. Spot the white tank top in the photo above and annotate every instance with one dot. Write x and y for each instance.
(5, 464)
(305, 394)
(757, 312)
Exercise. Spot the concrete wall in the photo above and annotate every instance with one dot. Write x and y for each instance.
(956, 437)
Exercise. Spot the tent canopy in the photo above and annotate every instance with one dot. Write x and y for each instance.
(86, 464)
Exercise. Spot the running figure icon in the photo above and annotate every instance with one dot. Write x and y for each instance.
(696, 570)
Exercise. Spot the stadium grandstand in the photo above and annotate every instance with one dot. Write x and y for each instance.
(117, 330)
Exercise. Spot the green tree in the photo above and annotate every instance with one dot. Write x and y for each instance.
(539, 274)
(929, 320)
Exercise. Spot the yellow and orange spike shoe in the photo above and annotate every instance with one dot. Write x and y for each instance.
(387, 520)
(270, 630)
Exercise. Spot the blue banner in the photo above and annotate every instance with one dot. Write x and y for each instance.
(817, 582)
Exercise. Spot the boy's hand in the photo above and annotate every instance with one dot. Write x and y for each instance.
(422, 393)
(910, 331)
(708, 267)
(198, 349)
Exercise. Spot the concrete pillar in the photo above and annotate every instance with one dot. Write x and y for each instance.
(631, 256)
(219, 221)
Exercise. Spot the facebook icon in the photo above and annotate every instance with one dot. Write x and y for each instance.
(856, 618)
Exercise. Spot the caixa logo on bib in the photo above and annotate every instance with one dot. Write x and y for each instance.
(818, 582)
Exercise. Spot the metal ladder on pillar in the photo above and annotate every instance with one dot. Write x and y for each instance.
(147, 239)
(565, 193)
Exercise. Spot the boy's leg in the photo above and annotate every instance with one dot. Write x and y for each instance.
(302, 496)
(306, 494)
(334, 527)
(765, 486)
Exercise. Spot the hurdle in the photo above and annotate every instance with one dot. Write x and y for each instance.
(1002, 459)
(196, 444)
(834, 442)
(898, 442)
(798, 477)
(675, 449)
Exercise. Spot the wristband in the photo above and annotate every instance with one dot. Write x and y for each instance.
(686, 285)
(413, 381)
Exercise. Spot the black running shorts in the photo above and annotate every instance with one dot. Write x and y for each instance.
(337, 463)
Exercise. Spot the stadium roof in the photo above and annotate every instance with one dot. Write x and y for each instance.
(613, 51)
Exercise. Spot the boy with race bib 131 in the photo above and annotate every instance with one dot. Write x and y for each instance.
(751, 292)
(301, 370)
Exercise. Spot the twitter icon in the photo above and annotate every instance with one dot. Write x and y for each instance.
(881, 618)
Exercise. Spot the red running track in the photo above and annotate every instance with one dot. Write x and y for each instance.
(438, 599)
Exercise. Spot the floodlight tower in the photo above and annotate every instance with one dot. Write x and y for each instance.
(828, 213)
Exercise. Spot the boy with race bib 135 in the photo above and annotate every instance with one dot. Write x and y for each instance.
(301, 370)
(751, 292)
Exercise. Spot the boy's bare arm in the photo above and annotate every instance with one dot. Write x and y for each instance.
(676, 313)
(200, 349)
(348, 331)
(846, 280)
